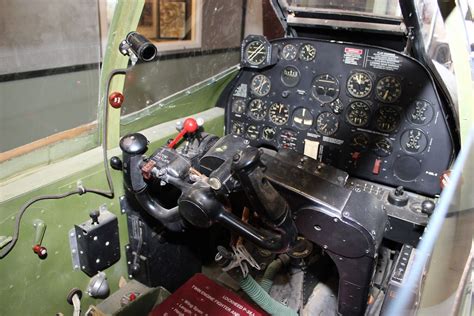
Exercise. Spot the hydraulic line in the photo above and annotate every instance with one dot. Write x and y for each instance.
(81, 190)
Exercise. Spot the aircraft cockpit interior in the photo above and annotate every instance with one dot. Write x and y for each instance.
(203, 157)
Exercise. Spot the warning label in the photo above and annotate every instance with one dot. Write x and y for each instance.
(200, 296)
(383, 60)
(353, 56)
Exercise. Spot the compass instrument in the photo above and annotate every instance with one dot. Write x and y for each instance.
(290, 76)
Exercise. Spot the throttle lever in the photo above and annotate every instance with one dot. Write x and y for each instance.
(190, 126)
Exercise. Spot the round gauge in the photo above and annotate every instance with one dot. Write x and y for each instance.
(278, 113)
(387, 119)
(237, 128)
(360, 141)
(289, 52)
(382, 147)
(290, 76)
(268, 133)
(325, 88)
(336, 106)
(327, 123)
(256, 52)
(260, 85)
(238, 106)
(307, 52)
(388, 89)
(359, 85)
(358, 113)
(414, 141)
(421, 112)
(288, 139)
(252, 132)
(257, 109)
(302, 118)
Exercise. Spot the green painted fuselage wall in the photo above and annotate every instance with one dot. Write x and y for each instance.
(30, 286)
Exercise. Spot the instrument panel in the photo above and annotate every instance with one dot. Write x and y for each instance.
(367, 110)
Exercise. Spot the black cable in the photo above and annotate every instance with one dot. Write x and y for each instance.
(22, 211)
(81, 190)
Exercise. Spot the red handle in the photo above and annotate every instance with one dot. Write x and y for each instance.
(190, 126)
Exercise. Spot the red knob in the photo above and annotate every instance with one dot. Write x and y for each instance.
(190, 125)
(41, 251)
(116, 99)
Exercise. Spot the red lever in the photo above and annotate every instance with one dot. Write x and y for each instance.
(41, 251)
(190, 126)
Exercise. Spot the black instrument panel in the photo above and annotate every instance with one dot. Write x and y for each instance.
(370, 111)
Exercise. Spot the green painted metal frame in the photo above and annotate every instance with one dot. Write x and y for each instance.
(39, 287)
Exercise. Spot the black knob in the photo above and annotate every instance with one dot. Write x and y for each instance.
(398, 197)
(427, 207)
(94, 215)
(134, 144)
(116, 163)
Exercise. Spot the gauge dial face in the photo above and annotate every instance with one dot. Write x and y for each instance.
(268, 133)
(382, 147)
(257, 109)
(414, 141)
(288, 139)
(421, 112)
(337, 106)
(290, 76)
(358, 113)
(302, 118)
(278, 113)
(256, 52)
(237, 128)
(307, 52)
(387, 119)
(238, 106)
(252, 132)
(289, 52)
(388, 89)
(325, 88)
(359, 85)
(327, 123)
(360, 141)
(260, 85)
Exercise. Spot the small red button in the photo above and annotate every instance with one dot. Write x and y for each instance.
(376, 168)
(116, 99)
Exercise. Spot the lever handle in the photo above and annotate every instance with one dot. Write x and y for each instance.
(190, 126)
